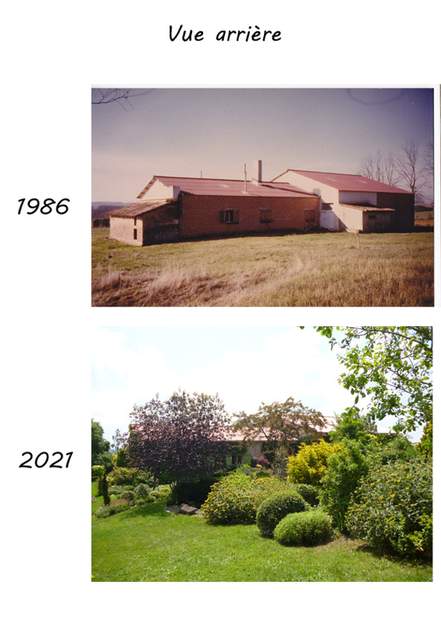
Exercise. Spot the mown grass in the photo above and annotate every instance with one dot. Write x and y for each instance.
(153, 545)
(323, 269)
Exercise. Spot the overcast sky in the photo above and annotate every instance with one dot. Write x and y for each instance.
(185, 131)
(243, 365)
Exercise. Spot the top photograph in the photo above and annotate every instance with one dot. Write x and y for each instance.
(262, 197)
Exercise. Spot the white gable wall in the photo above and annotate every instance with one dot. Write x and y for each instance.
(328, 194)
(158, 190)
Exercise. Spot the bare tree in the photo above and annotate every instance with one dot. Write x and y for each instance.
(409, 169)
(122, 96)
(381, 168)
(428, 160)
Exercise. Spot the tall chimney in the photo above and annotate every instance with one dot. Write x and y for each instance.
(258, 171)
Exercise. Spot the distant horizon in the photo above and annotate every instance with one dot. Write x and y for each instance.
(183, 132)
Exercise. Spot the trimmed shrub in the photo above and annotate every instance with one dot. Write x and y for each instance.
(310, 493)
(276, 507)
(307, 528)
(309, 465)
(129, 476)
(392, 508)
(97, 472)
(234, 499)
(345, 469)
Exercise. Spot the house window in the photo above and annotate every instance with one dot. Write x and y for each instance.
(229, 216)
(266, 215)
(135, 234)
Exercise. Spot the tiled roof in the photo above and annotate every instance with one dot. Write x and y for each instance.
(349, 182)
(230, 188)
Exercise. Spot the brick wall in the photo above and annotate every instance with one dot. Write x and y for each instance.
(200, 215)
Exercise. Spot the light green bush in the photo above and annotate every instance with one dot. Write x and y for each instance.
(392, 508)
(234, 499)
(307, 528)
(276, 507)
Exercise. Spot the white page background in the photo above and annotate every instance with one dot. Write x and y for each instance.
(52, 52)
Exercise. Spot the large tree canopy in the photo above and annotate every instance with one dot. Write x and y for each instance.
(181, 438)
(280, 424)
(391, 367)
(100, 446)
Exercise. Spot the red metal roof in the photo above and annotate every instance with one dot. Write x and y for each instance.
(349, 182)
(219, 186)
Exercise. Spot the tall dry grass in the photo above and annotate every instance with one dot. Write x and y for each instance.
(376, 270)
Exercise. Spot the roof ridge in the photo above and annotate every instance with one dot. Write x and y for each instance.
(199, 178)
(357, 175)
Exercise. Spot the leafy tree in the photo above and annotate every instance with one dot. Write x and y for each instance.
(397, 448)
(352, 425)
(100, 446)
(280, 424)
(390, 366)
(179, 439)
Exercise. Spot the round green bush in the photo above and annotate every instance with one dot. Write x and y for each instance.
(310, 493)
(392, 508)
(234, 499)
(276, 507)
(307, 528)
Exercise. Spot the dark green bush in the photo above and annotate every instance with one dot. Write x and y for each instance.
(97, 472)
(194, 492)
(276, 507)
(234, 499)
(310, 493)
(307, 528)
(392, 508)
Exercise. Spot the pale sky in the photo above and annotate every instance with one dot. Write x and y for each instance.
(183, 131)
(245, 366)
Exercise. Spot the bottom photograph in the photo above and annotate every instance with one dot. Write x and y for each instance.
(259, 453)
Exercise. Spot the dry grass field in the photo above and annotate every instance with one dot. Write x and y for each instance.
(325, 269)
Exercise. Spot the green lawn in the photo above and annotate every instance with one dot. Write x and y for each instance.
(326, 269)
(152, 545)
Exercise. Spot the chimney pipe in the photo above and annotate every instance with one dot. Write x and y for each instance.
(258, 171)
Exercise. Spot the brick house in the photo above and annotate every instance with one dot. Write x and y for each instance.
(354, 202)
(179, 208)
(172, 208)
